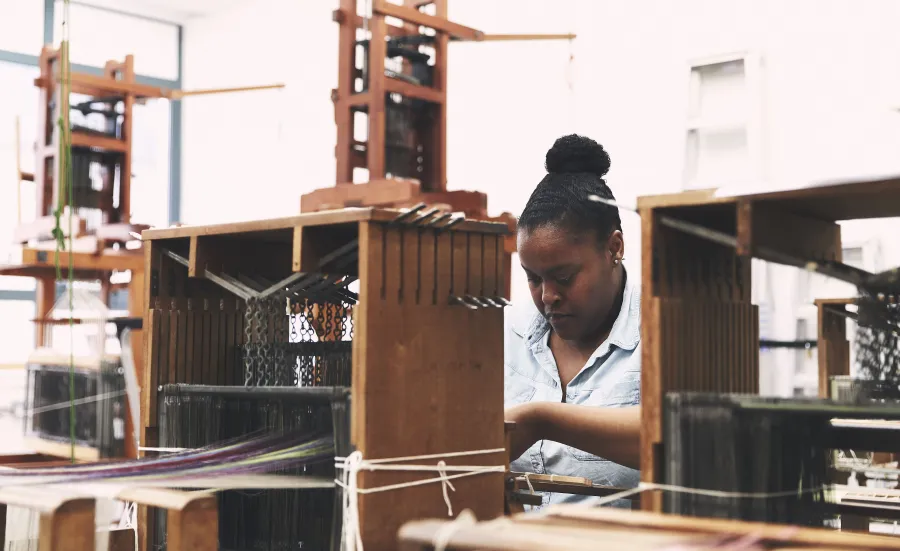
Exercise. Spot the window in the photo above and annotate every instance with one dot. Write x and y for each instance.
(97, 36)
(722, 146)
(18, 332)
(21, 103)
(150, 160)
(854, 257)
(22, 27)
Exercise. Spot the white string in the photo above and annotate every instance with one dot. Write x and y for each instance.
(163, 450)
(445, 482)
(352, 464)
(129, 520)
(443, 534)
(528, 481)
(644, 486)
(78, 402)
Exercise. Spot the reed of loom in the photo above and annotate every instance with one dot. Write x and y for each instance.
(579, 528)
(699, 329)
(424, 337)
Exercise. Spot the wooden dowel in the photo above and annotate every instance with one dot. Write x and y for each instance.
(178, 94)
(512, 37)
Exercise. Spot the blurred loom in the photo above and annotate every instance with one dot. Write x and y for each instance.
(320, 323)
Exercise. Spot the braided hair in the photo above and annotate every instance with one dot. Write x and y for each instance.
(575, 169)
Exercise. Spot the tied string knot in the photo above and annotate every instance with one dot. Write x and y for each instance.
(445, 482)
(353, 463)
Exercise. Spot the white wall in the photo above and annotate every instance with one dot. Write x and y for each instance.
(830, 77)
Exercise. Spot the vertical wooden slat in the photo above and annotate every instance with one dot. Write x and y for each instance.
(443, 273)
(215, 330)
(196, 366)
(176, 344)
(489, 264)
(150, 381)
(427, 260)
(460, 263)
(475, 276)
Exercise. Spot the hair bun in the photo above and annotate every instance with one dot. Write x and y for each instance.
(577, 154)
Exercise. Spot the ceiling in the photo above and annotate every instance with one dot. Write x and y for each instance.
(176, 11)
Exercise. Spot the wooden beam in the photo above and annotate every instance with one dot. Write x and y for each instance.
(414, 91)
(342, 15)
(810, 238)
(377, 119)
(83, 81)
(369, 194)
(523, 37)
(833, 347)
(80, 139)
(439, 24)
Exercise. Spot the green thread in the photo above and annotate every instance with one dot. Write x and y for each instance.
(66, 198)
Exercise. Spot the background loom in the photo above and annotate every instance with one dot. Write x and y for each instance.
(699, 328)
(262, 312)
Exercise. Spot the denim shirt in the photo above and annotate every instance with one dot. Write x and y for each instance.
(610, 378)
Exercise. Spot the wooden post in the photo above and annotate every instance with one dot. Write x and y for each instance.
(833, 347)
(45, 296)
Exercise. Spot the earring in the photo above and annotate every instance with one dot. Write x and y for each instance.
(615, 261)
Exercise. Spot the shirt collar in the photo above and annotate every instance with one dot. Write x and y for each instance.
(625, 333)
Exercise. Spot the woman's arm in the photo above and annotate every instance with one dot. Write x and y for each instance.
(611, 433)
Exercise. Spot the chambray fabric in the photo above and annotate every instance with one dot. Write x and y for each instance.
(610, 378)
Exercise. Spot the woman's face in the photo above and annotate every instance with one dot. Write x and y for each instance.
(572, 277)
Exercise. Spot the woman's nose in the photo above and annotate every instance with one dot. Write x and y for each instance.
(549, 295)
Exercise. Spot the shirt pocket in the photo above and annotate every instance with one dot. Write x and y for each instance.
(518, 392)
(626, 391)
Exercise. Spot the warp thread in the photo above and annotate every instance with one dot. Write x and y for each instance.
(645, 486)
(352, 464)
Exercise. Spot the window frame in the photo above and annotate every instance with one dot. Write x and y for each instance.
(751, 121)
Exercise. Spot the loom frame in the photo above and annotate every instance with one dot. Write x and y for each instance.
(365, 91)
(699, 329)
(407, 331)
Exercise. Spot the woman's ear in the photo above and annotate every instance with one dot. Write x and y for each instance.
(616, 247)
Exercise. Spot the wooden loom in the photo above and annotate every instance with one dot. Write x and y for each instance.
(403, 100)
(103, 234)
(427, 336)
(699, 329)
(700, 333)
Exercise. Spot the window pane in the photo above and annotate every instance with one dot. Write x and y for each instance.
(18, 331)
(22, 26)
(21, 100)
(97, 36)
(150, 163)
(721, 91)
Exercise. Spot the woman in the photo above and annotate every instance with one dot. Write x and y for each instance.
(573, 358)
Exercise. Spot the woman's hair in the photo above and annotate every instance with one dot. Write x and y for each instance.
(575, 169)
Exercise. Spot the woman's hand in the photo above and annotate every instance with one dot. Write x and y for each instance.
(528, 420)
